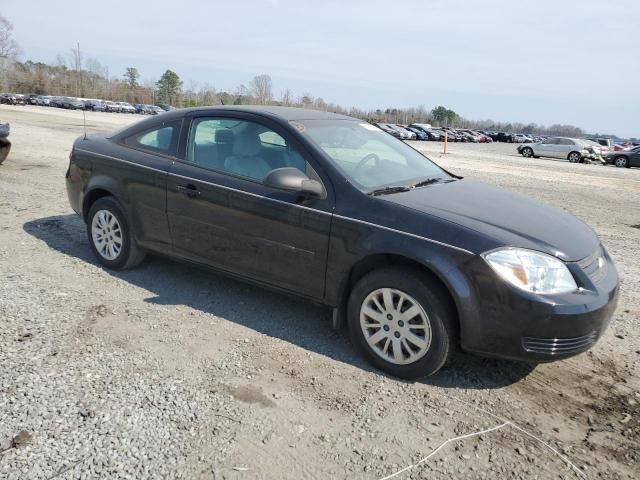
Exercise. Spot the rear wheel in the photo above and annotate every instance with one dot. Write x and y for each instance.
(574, 157)
(527, 152)
(621, 161)
(110, 237)
(402, 322)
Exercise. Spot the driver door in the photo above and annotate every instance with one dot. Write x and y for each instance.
(222, 215)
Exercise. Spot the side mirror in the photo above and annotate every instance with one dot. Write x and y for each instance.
(293, 180)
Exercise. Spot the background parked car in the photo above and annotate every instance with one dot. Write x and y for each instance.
(502, 137)
(626, 158)
(126, 107)
(111, 106)
(420, 135)
(454, 135)
(596, 147)
(5, 144)
(404, 133)
(435, 135)
(94, 105)
(43, 100)
(430, 133)
(386, 128)
(572, 149)
(470, 135)
(7, 99)
(72, 103)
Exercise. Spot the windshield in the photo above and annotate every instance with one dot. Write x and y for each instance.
(367, 156)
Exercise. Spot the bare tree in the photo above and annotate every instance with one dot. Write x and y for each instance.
(8, 47)
(76, 62)
(261, 89)
(287, 97)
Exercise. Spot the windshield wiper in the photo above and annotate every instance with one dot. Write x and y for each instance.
(386, 190)
(430, 181)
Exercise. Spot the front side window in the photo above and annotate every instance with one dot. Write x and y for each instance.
(368, 157)
(240, 147)
(550, 141)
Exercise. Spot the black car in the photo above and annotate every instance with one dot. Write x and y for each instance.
(502, 137)
(415, 259)
(94, 105)
(451, 134)
(420, 135)
(423, 133)
(72, 103)
(8, 99)
(31, 99)
(5, 144)
(624, 158)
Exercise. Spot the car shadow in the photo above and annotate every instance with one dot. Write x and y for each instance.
(277, 315)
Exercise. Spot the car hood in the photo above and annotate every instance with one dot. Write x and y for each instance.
(508, 218)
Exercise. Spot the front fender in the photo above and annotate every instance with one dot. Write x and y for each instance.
(353, 243)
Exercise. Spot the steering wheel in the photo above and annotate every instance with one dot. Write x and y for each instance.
(365, 159)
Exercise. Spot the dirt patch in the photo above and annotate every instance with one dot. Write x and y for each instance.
(249, 394)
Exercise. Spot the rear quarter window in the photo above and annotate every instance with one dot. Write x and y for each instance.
(160, 139)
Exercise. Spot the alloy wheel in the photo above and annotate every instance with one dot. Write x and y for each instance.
(621, 161)
(106, 234)
(395, 326)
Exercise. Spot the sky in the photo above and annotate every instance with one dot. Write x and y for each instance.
(563, 61)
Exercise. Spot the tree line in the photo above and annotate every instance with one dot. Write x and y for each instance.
(77, 76)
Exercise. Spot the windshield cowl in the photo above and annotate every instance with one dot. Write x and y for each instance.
(407, 188)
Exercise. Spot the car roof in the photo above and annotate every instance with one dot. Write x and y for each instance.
(285, 113)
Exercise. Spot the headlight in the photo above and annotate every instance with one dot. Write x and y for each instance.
(531, 271)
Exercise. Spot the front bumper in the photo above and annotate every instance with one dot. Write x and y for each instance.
(510, 323)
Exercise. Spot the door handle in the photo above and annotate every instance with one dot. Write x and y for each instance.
(189, 190)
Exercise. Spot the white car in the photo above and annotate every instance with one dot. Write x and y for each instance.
(43, 100)
(520, 138)
(598, 148)
(126, 107)
(572, 149)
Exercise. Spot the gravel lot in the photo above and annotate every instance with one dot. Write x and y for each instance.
(170, 372)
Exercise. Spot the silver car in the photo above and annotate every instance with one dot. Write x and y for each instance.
(572, 149)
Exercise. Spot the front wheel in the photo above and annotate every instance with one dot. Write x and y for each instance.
(574, 157)
(527, 152)
(110, 237)
(402, 322)
(621, 161)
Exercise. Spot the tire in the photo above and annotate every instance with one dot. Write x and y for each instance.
(527, 152)
(621, 161)
(433, 316)
(119, 251)
(574, 157)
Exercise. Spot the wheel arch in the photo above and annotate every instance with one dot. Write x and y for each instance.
(376, 261)
(93, 195)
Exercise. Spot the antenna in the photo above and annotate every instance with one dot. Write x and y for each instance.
(84, 121)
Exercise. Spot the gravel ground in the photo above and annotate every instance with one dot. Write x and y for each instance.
(171, 372)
